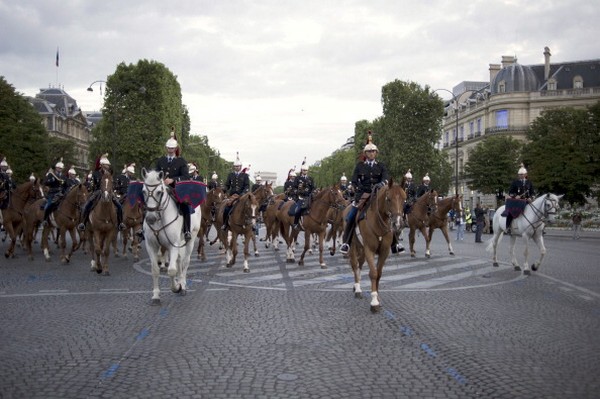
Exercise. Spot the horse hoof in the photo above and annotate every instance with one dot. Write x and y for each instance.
(229, 265)
(496, 264)
(99, 271)
(155, 302)
(376, 309)
(163, 269)
(358, 295)
(177, 290)
(106, 273)
(256, 254)
(527, 272)
(451, 253)
(413, 255)
(323, 266)
(517, 269)
(534, 267)
(332, 252)
(290, 261)
(183, 292)
(428, 256)
(246, 270)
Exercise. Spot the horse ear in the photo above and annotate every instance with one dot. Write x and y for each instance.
(144, 172)
(160, 175)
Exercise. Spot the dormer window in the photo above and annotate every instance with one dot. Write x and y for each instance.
(502, 87)
(551, 84)
(578, 82)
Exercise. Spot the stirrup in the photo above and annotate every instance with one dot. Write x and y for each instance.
(344, 248)
(122, 226)
(45, 223)
(224, 227)
(81, 227)
(140, 234)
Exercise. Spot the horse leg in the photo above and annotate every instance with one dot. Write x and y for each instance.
(254, 244)
(539, 240)
(444, 229)
(306, 248)
(249, 237)
(374, 277)
(426, 236)
(321, 247)
(411, 242)
(356, 271)
(173, 270)
(155, 275)
(44, 243)
(62, 244)
(526, 269)
(513, 257)
(106, 253)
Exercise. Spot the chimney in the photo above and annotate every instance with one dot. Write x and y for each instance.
(546, 63)
(494, 69)
(508, 60)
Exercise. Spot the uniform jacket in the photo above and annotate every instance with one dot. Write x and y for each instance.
(213, 184)
(56, 183)
(423, 188)
(288, 187)
(255, 186)
(522, 188)
(365, 177)
(197, 177)
(97, 178)
(411, 192)
(121, 184)
(237, 183)
(302, 187)
(72, 181)
(177, 169)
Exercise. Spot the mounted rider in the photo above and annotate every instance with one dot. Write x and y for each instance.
(194, 174)
(236, 185)
(521, 192)
(214, 181)
(369, 175)
(56, 182)
(122, 181)
(288, 186)
(424, 187)
(346, 189)
(4, 185)
(72, 179)
(257, 184)
(102, 167)
(411, 192)
(302, 190)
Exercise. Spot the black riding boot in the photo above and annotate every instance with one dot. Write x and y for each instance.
(509, 220)
(349, 230)
(396, 246)
(86, 212)
(47, 212)
(120, 224)
(185, 210)
(225, 225)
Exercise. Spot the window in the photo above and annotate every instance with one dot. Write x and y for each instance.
(502, 118)
(462, 133)
(471, 127)
(447, 140)
(478, 125)
(551, 84)
(502, 87)
(578, 82)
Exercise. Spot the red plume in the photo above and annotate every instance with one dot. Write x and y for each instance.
(97, 164)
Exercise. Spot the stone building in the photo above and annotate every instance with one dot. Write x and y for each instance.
(512, 99)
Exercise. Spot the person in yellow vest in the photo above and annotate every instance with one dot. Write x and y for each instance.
(468, 219)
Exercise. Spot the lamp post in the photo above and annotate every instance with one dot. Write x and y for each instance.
(455, 139)
(142, 90)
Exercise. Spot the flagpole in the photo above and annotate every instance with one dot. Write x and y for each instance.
(57, 63)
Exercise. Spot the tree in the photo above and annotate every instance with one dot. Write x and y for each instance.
(492, 164)
(142, 104)
(23, 139)
(408, 132)
(563, 152)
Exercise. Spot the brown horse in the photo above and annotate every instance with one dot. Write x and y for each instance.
(214, 197)
(103, 226)
(133, 218)
(65, 219)
(271, 221)
(263, 194)
(382, 218)
(316, 221)
(242, 220)
(419, 217)
(335, 217)
(13, 217)
(439, 219)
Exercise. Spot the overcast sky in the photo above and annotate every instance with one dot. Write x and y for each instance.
(279, 80)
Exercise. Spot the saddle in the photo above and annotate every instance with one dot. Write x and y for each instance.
(363, 205)
(231, 201)
(514, 207)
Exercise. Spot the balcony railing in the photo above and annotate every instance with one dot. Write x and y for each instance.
(506, 129)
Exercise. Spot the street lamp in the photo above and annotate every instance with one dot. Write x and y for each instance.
(455, 139)
(141, 89)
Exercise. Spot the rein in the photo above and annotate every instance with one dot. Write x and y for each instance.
(542, 215)
(158, 209)
(335, 205)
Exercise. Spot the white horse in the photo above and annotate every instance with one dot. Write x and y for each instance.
(163, 228)
(529, 225)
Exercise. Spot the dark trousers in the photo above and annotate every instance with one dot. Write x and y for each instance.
(350, 223)
(479, 231)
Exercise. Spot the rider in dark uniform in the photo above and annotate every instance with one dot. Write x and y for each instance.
(214, 181)
(102, 166)
(520, 188)
(424, 187)
(123, 180)
(237, 184)
(57, 183)
(257, 184)
(411, 192)
(4, 185)
(194, 174)
(302, 190)
(288, 186)
(368, 176)
(72, 179)
(175, 169)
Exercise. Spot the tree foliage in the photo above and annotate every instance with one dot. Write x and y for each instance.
(493, 164)
(563, 152)
(23, 139)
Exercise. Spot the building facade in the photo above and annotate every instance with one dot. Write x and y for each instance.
(506, 105)
(62, 118)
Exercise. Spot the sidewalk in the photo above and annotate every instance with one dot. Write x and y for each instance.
(567, 232)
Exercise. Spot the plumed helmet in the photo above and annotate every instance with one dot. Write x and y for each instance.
(215, 176)
(124, 169)
(408, 175)
(32, 177)
(343, 178)
(72, 170)
(172, 142)
(370, 146)
(192, 167)
(104, 160)
(60, 164)
(237, 160)
(292, 172)
(522, 170)
(4, 163)
(258, 178)
(9, 171)
(89, 176)
(426, 177)
(131, 168)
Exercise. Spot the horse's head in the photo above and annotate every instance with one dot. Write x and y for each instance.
(215, 196)
(431, 200)
(263, 193)
(551, 206)
(154, 191)
(394, 197)
(106, 187)
(249, 207)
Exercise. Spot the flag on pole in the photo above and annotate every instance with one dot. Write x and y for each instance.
(57, 56)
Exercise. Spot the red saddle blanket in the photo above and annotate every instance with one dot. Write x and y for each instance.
(515, 207)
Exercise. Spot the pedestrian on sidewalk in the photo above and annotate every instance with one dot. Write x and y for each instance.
(576, 219)
(479, 221)
(460, 228)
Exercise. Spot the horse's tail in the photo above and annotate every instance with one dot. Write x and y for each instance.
(490, 244)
